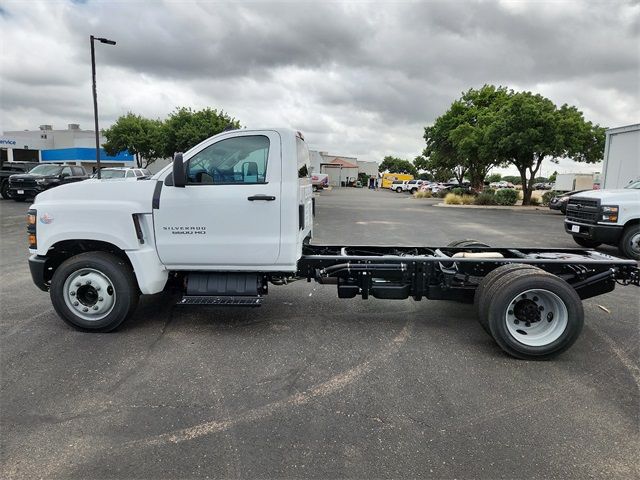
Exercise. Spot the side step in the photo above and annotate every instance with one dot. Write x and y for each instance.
(225, 300)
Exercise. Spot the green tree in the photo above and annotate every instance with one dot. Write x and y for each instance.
(553, 176)
(140, 136)
(185, 128)
(494, 177)
(529, 128)
(397, 165)
(515, 179)
(458, 140)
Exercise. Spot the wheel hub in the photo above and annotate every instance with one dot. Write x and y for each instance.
(90, 294)
(526, 312)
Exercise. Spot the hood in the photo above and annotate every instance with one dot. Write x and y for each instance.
(609, 194)
(95, 191)
(30, 175)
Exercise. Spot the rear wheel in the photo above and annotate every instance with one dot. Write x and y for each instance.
(485, 290)
(94, 291)
(534, 316)
(630, 242)
(413, 190)
(586, 243)
(399, 189)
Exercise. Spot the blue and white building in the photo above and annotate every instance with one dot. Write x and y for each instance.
(72, 145)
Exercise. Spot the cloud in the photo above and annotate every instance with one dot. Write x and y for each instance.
(358, 78)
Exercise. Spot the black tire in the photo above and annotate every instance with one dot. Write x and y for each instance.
(399, 189)
(484, 291)
(4, 190)
(585, 242)
(630, 242)
(413, 190)
(124, 290)
(509, 288)
(469, 242)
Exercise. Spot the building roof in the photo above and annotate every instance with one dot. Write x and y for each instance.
(338, 162)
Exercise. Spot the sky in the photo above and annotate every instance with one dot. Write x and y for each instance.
(357, 78)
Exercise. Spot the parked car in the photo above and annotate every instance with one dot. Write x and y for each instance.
(43, 177)
(128, 173)
(439, 187)
(501, 184)
(559, 202)
(398, 185)
(543, 186)
(412, 186)
(11, 168)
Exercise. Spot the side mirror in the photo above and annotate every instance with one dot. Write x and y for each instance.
(179, 173)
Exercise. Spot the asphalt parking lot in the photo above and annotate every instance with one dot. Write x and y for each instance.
(312, 386)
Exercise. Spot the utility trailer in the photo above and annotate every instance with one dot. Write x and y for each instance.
(235, 214)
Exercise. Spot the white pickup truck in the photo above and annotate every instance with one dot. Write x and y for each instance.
(235, 214)
(606, 216)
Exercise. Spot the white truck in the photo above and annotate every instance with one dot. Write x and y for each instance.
(568, 182)
(234, 215)
(606, 216)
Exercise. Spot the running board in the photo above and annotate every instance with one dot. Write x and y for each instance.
(221, 300)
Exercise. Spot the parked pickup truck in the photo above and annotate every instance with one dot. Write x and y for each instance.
(606, 216)
(43, 177)
(11, 168)
(319, 181)
(234, 215)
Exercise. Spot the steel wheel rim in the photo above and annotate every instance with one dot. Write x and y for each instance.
(536, 329)
(89, 294)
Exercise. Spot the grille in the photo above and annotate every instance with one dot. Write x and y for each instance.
(25, 182)
(583, 210)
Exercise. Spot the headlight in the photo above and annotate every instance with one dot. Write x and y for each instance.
(609, 213)
(564, 199)
(41, 180)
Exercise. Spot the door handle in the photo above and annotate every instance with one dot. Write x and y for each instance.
(267, 198)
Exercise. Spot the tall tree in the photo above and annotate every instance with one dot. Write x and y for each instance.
(140, 136)
(458, 140)
(185, 128)
(529, 128)
(397, 165)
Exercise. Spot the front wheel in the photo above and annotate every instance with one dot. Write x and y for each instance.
(4, 190)
(630, 242)
(399, 189)
(534, 316)
(94, 291)
(586, 243)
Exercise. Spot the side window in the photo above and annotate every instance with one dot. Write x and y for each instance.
(129, 173)
(77, 171)
(303, 158)
(234, 160)
(138, 173)
(66, 172)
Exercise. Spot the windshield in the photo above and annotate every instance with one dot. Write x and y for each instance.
(46, 170)
(112, 174)
(635, 185)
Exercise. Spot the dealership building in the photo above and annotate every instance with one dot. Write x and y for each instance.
(71, 145)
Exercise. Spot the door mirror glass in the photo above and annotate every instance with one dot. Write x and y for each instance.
(179, 177)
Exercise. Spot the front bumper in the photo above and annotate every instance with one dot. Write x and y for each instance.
(30, 191)
(37, 266)
(597, 233)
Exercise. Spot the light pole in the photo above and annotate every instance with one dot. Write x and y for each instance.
(95, 94)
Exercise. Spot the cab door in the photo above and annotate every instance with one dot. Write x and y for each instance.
(228, 214)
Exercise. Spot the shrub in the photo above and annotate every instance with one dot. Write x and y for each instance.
(535, 201)
(489, 191)
(443, 193)
(468, 199)
(547, 196)
(506, 196)
(485, 199)
(457, 191)
(453, 199)
(425, 194)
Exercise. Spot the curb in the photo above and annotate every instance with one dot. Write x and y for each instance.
(500, 207)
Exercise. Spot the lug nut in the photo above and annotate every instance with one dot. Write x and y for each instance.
(535, 299)
(78, 284)
(516, 321)
(85, 309)
(541, 308)
(73, 294)
(95, 307)
(88, 282)
(75, 304)
(97, 289)
(510, 312)
(527, 324)
(100, 299)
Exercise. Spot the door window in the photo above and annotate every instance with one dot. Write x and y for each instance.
(77, 171)
(66, 172)
(234, 160)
